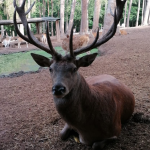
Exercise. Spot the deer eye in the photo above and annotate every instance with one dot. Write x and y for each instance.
(50, 69)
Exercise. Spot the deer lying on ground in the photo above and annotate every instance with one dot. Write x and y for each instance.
(6, 41)
(20, 40)
(78, 42)
(93, 108)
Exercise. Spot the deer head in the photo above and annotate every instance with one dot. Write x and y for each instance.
(64, 69)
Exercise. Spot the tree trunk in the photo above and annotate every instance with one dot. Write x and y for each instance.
(125, 14)
(21, 25)
(96, 14)
(62, 7)
(128, 19)
(52, 32)
(71, 16)
(142, 12)
(29, 14)
(44, 8)
(108, 20)
(137, 19)
(106, 3)
(84, 17)
(145, 22)
(40, 24)
(66, 24)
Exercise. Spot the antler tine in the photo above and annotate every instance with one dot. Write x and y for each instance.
(89, 47)
(14, 2)
(31, 39)
(112, 30)
(49, 40)
(23, 4)
(30, 8)
(71, 43)
(16, 28)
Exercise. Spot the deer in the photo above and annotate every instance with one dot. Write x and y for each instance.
(20, 40)
(78, 42)
(94, 108)
(44, 39)
(6, 41)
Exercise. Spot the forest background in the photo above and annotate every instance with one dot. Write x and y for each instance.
(136, 13)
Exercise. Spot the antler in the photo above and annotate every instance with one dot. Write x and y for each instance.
(31, 39)
(117, 16)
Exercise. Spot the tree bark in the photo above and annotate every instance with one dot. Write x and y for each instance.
(21, 25)
(40, 12)
(29, 14)
(62, 7)
(108, 20)
(44, 8)
(84, 17)
(96, 14)
(137, 19)
(128, 19)
(66, 28)
(125, 14)
(71, 16)
(145, 22)
(142, 12)
(52, 32)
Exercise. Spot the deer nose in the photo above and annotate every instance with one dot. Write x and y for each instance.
(58, 90)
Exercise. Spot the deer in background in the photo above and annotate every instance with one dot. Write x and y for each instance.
(6, 41)
(44, 39)
(20, 40)
(93, 108)
(78, 42)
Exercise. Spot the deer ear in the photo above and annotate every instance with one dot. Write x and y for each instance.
(41, 60)
(86, 60)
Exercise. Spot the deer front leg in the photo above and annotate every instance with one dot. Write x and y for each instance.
(65, 132)
(100, 145)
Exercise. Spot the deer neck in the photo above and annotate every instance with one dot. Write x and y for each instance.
(71, 106)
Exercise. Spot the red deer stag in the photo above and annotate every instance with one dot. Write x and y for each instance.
(93, 108)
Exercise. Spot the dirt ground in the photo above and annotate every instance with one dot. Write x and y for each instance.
(28, 118)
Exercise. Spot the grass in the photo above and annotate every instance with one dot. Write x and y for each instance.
(16, 62)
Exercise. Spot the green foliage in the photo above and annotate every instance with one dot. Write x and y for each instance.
(6, 12)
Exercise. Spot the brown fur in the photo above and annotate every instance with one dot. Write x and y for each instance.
(96, 108)
(78, 42)
(123, 32)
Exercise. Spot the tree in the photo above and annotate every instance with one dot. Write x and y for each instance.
(145, 22)
(62, 8)
(84, 17)
(125, 13)
(44, 9)
(29, 14)
(108, 20)
(96, 14)
(71, 16)
(66, 28)
(143, 11)
(137, 19)
(52, 32)
(130, 5)
(21, 25)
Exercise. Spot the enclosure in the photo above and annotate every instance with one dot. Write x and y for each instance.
(28, 118)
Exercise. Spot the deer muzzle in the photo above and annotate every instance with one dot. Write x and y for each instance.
(58, 90)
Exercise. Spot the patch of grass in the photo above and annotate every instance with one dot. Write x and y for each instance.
(16, 62)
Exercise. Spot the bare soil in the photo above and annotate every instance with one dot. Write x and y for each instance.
(29, 120)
